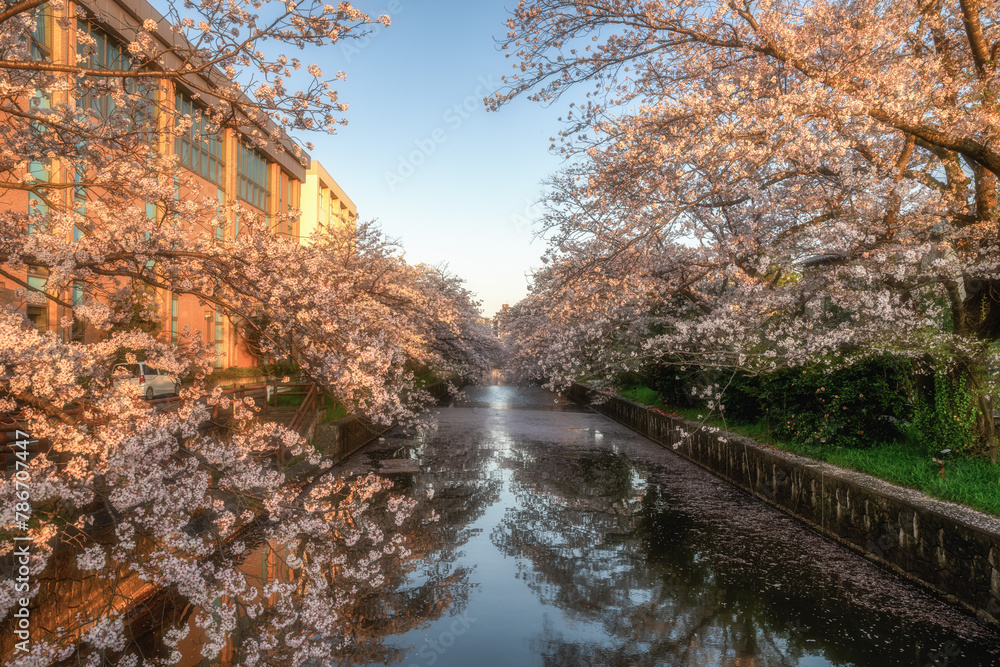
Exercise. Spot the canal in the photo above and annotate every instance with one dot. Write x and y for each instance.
(566, 539)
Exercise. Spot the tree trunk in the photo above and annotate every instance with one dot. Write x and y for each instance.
(972, 377)
(985, 426)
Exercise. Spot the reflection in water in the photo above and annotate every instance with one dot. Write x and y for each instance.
(564, 539)
(602, 548)
(398, 607)
(428, 584)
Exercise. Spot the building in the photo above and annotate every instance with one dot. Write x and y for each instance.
(324, 203)
(269, 179)
(500, 319)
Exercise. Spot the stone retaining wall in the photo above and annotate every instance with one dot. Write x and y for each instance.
(339, 439)
(949, 548)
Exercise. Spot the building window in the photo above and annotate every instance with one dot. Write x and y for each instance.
(220, 204)
(323, 207)
(106, 53)
(41, 34)
(79, 328)
(173, 319)
(288, 202)
(36, 205)
(220, 352)
(38, 313)
(200, 148)
(252, 178)
(39, 317)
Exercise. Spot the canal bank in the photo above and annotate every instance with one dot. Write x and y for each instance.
(549, 534)
(949, 548)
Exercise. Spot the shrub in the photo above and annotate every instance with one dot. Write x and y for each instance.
(945, 414)
(855, 406)
(742, 399)
(676, 384)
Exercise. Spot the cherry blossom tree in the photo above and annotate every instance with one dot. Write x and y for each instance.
(780, 182)
(133, 499)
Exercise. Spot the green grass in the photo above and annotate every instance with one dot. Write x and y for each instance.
(236, 372)
(645, 395)
(286, 400)
(971, 482)
(425, 376)
(334, 411)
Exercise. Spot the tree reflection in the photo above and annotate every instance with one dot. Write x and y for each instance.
(419, 588)
(613, 547)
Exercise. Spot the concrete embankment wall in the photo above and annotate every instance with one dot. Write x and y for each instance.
(949, 548)
(341, 438)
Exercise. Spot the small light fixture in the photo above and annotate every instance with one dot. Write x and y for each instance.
(940, 458)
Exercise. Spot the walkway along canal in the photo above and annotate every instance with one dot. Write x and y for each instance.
(566, 539)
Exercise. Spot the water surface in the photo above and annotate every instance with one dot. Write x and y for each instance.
(566, 539)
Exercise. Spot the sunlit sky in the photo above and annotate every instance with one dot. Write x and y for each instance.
(463, 180)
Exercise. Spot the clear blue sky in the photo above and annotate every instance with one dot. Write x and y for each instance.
(453, 182)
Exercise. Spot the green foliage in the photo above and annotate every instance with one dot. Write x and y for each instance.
(798, 411)
(849, 407)
(904, 461)
(676, 384)
(335, 411)
(945, 414)
(643, 394)
(424, 375)
(742, 399)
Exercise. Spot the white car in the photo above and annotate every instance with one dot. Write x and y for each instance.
(151, 382)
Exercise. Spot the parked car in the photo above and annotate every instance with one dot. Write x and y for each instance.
(151, 382)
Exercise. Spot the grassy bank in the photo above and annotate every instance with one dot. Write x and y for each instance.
(971, 482)
(334, 411)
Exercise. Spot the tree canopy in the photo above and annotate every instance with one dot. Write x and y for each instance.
(114, 221)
